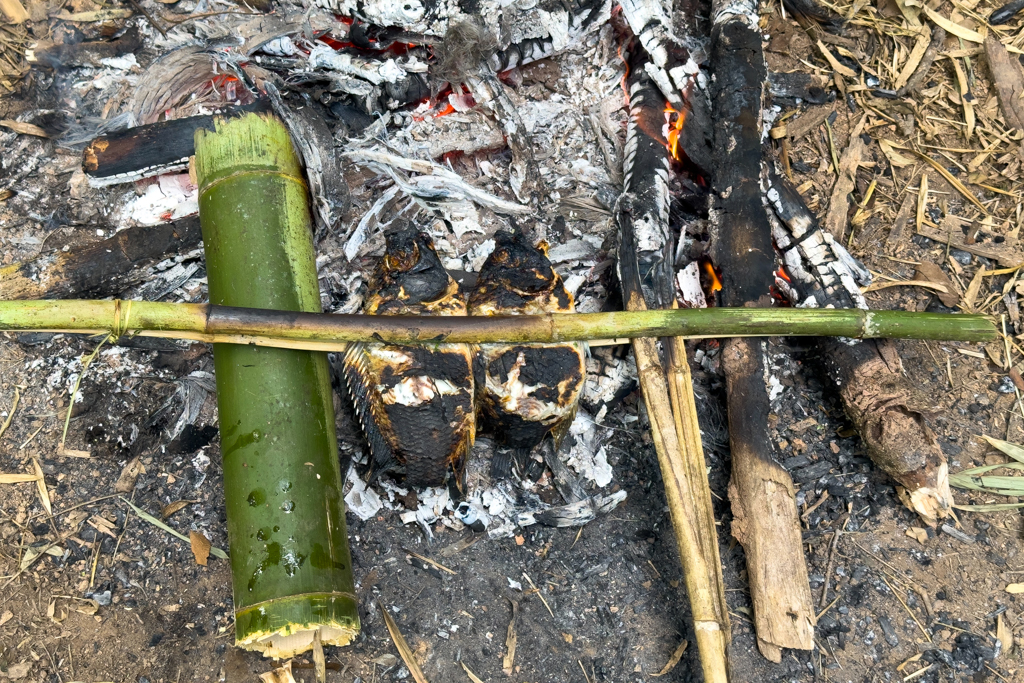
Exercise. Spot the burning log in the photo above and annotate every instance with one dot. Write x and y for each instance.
(766, 521)
(645, 270)
(103, 268)
(291, 570)
(886, 409)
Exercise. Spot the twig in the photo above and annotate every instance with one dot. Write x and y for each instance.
(831, 558)
(14, 407)
(539, 594)
(912, 616)
(149, 17)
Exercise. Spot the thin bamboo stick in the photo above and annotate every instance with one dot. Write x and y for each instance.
(326, 332)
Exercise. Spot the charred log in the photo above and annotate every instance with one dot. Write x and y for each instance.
(101, 269)
(887, 410)
(766, 521)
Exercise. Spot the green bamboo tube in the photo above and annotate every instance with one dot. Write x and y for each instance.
(290, 563)
(324, 332)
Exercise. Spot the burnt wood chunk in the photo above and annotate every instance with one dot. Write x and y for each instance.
(101, 269)
(766, 522)
(149, 150)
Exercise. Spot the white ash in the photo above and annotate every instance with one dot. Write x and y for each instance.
(688, 286)
(360, 500)
(588, 456)
(170, 197)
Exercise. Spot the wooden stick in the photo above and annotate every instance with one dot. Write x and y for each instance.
(670, 404)
(14, 11)
(765, 521)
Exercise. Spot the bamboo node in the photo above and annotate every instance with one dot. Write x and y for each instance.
(707, 626)
(120, 321)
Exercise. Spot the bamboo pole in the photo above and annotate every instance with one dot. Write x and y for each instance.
(291, 569)
(327, 332)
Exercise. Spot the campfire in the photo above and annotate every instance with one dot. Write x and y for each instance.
(614, 153)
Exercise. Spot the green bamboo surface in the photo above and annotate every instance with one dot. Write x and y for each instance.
(290, 561)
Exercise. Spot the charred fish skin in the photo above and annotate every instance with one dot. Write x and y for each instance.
(525, 391)
(415, 402)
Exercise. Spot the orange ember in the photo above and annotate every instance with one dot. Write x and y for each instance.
(716, 283)
(781, 272)
(673, 129)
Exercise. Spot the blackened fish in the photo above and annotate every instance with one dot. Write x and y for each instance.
(415, 402)
(525, 391)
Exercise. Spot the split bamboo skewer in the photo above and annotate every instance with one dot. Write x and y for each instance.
(327, 332)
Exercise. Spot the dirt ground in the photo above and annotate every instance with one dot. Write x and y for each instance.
(114, 598)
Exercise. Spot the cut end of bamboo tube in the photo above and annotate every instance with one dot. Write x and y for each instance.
(288, 627)
(253, 142)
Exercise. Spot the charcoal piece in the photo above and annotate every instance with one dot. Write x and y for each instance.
(1005, 13)
(795, 86)
(888, 631)
(812, 472)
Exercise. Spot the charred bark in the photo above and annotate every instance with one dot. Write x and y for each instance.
(101, 269)
(766, 521)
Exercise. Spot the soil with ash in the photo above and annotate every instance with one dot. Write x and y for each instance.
(96, 593)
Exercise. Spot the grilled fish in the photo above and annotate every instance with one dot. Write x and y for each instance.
(415, 402)
(525, 391)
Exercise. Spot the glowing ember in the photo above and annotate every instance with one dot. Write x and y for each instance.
(781, 272)
(672, 129)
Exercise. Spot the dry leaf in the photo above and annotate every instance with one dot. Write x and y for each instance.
(200, 547)
(129, 475)
(6, 616)
(972, 291)
(402, 646)
(472, 676)
(1004, 635)
(24, 128)
(44, 495)
(88, 607)
(673, 660)
(171, 508)
(836, 65)
(849, 162)
(918, 533)
(14, 11)
(567, 637)
(16, 478)
(950, 27)
(511, 638)
(934, 273)
(1015, 588)
(913, 659)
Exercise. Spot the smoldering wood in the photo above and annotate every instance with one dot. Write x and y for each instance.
(888, 411)
(101, 269)
(148, 150)
(766, 521)
(88, 53)
(647, 279)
